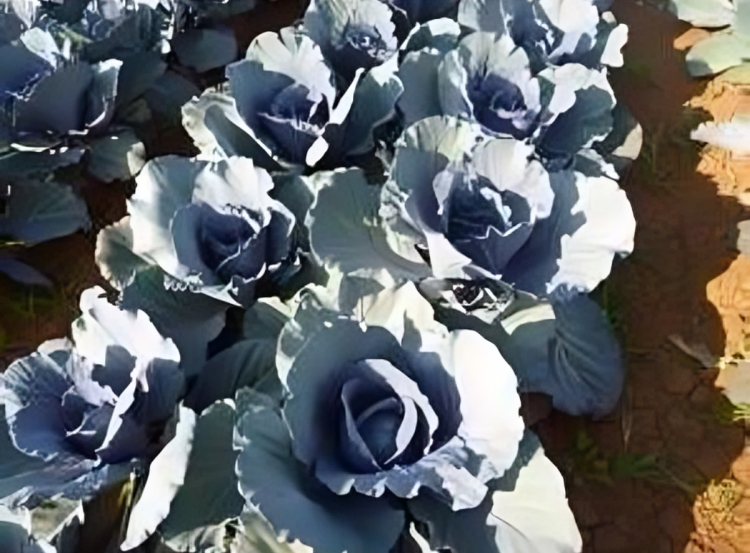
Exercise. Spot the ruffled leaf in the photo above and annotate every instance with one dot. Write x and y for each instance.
(345, 232)
(271, 480)
(529, 512)
(216, 127)
(567, 350)
(191, 491)
(591, 223)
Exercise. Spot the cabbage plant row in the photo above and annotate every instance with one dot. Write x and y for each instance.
(318, 328)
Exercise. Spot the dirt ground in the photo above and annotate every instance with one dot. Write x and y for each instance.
(665, 473)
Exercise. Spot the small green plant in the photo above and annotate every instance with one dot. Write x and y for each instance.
(729, 413)
(587, 462)
(29, 302)
(638, 70)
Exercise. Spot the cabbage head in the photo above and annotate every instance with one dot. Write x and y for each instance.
(565, 112)
(80, 415)
(285, 108)
(387, 416)
(500, 214)
(551, 31)
(57, 108)
(209, 225)
(460, 205)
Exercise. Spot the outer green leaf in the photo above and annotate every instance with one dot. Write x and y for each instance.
(18, 164)
(216, 127)
(704, 13)
(535, 515)
(166, 477)
(345, 230)
(204, 49)
(114, 254)
(168, 94)
(718, 52)
(137, 74)
(568, 351)
(608, 230)
(373, 104)
(249, 363)
(40, 211)
(210, 495)
(529, 513)
(119, 156)
(419, 73)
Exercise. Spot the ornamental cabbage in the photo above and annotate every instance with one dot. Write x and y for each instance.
(385, 413)
(80, 415)
(209, 225)
(57, 108)
(459, 205)
(484, 77)
(285, 108)
(551, 31)
(499, 213)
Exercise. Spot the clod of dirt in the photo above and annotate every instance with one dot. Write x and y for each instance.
(730, 294)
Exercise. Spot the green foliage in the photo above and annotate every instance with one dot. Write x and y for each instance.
(587, 462)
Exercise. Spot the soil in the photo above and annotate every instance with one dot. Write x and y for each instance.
(668, 472)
